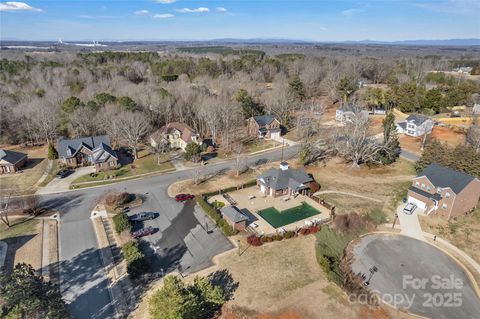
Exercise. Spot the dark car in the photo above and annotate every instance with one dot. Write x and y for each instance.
(183, 197)
(63, 173)
(140, 217)
(143, 232)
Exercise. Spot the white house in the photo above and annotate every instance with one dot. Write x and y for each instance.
(415, 125)
(476, 109)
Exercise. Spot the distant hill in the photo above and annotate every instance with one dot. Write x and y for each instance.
(449, 42)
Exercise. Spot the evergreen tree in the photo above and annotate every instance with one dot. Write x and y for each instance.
(249, 106)
(297, 88)
(52, 152)
(192, 150)
(23, 294)
(391, 144)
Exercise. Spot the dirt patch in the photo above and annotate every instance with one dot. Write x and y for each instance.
(446, 135)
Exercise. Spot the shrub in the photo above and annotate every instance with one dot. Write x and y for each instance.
(135, 259)
(288, 234)
(121, 223)
(254, 240)
(377, 216)
(250, 183)
(52, 152)
(114, 199)
(218, 205)
(277, 237)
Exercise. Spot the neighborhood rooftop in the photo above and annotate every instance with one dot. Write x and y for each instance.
(233, 214)
(418, 119)
(282, 178)
(445, 177)
(263, 120)
(11, 157)
(68, 148)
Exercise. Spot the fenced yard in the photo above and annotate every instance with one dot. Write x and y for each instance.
(278, 219)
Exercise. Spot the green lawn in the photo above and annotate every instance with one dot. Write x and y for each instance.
(278, 219)
(20, 227)
(260, 144)
(144, 165)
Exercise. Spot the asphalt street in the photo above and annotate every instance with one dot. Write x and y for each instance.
(416, 276)
(181, 241)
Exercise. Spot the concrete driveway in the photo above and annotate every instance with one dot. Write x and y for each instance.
(63, 184)
(415, 276)
(410, 224)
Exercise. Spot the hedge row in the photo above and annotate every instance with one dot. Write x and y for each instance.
(216, 216)
(136, 262)
(121, 223)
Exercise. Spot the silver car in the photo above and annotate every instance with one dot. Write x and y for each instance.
(409, 208)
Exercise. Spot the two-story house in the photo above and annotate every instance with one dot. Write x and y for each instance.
(415, 125)
(444, 191)
(264, 126)
(175, 135)
(83, 151)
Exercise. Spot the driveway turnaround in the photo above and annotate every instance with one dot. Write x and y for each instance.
(183, 242)
(415, 276)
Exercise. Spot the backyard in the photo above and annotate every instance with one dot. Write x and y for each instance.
(31, 173)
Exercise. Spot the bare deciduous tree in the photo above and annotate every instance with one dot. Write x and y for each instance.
(133, 127)
(473, 137)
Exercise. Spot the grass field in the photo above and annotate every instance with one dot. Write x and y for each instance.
(288, 216)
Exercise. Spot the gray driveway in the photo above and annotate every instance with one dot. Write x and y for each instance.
(83, 281)
(408, 277)
(410, 224)
(63, 184)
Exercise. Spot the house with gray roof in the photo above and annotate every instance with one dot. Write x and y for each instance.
(415, 125)
(264, 126)
(284, 181)
(11, 161)
(444, 191)
(346, 113)
(234, 217)
(83, 151)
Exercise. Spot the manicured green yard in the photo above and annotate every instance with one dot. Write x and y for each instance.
(144, 165)
(288, 216)
(260, 145)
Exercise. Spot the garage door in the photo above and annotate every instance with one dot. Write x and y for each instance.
(275, 136)
(417, 202)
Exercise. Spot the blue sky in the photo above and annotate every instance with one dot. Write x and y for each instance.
(320, 20)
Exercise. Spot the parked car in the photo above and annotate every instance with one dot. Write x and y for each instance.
(409, 208)
(183, 197)
(64, 173)
(140, 217)
(143, 232)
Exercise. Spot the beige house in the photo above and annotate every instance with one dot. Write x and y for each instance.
(175, 135)
(444, 191)
(284, 181)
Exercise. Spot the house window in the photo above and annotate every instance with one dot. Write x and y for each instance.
(428, 188)
(447, 195)
(417, 184)
(444, 206)
(423, 185)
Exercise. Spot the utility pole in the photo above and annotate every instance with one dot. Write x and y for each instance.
(4, 212)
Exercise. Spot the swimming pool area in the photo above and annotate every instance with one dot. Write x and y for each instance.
(278, 219)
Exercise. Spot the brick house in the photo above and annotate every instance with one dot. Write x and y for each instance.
(11, 161)
(264, 126)
(175, 135)
(234, 217)
(83, 151)
(284, 181)
(444, 191)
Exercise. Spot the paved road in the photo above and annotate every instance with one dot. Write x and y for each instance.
(405, 277)
(409, 155)
(82, 279)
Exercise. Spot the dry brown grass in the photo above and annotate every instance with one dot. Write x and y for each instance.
(463, 233)
(32, 172)
(443, 134)
(382, 183)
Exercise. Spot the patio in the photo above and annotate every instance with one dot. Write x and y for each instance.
(250, 201)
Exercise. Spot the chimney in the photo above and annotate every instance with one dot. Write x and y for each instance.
(283, 166)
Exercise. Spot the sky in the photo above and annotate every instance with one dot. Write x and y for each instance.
(314, 20)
